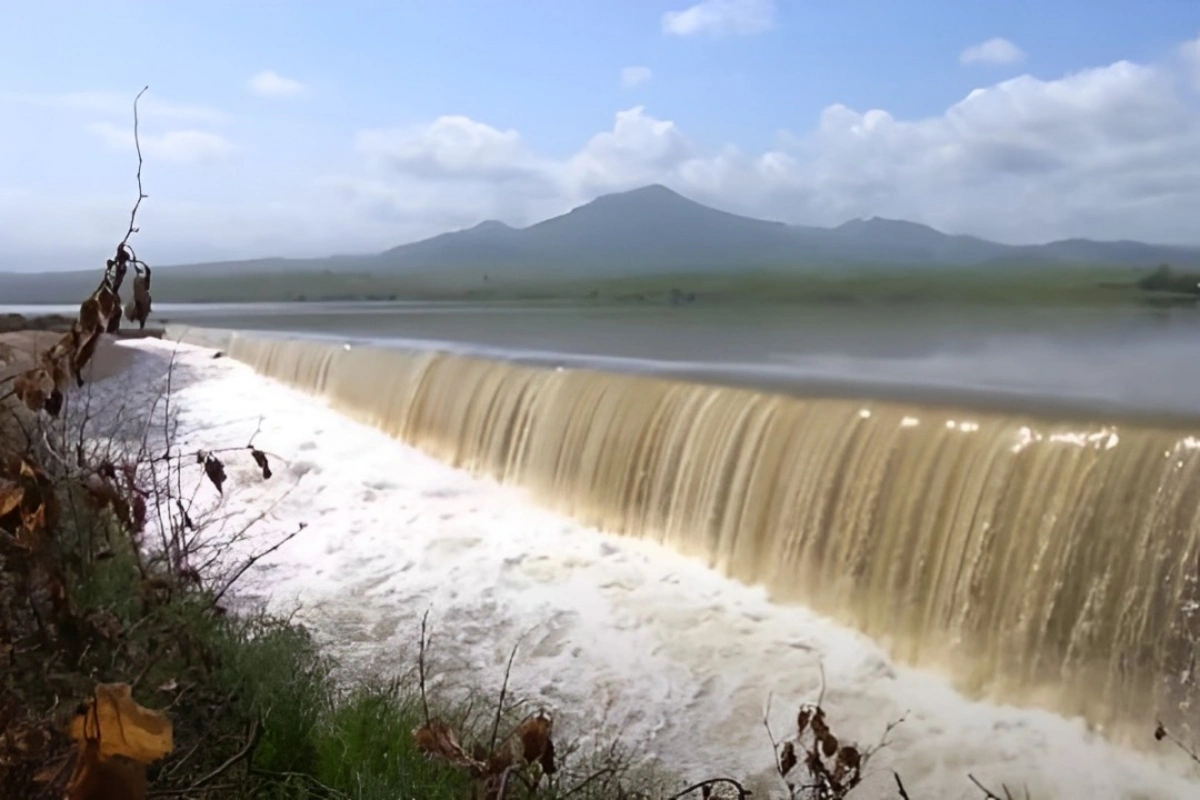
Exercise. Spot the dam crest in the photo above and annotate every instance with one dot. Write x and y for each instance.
(1037, 560)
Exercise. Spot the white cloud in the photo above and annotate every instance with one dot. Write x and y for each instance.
(1109, 152)
(1104, 152)
(269, 83)
(115, 104)
(178, 147)
(721, 18)
(632, 76)
(993, 51)
(449, 147)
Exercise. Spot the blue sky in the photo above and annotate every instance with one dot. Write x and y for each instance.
(305, 128)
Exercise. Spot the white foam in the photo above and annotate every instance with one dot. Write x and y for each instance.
(613, 631)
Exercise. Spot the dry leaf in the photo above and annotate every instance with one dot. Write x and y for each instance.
(436, 738)
(116, 739)
(54, 403)
(138, 309)
(819, 727)
(120, 727)
(215, 471)
(829, 745)
(536, 742)
(787, 759)
(534, 733)
(260, 458)
(83, 355)
(11, 493)
(106, 779)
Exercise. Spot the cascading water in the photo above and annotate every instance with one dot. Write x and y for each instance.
(1036, 560)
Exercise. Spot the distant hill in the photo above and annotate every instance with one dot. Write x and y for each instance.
(648, 231)
(654, 229)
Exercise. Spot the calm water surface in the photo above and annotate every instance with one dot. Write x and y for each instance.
(1133, 360)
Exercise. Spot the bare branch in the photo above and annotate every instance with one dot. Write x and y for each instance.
(988, 793)
(503, 692)
(137, 143)
(421, 665)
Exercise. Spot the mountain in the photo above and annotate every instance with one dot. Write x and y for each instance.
(654, 229)
(646, 231)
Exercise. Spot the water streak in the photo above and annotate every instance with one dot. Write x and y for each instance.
(1035, 560)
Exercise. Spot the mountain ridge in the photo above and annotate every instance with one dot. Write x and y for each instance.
(655, 230)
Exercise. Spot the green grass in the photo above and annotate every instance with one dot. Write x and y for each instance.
(316, 738)
(806, 284)
(1063, 285)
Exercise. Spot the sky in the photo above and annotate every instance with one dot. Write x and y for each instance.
(316, 128)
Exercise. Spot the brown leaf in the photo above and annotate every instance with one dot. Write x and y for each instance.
(83, 355)
(34, 523)
(534, 733)
(118, 726)
(113, 779)
(819, 727)
(850, 757)
(829, 745)
(547, 759)
(438, 740)
(802, 721)
(787, 759)
(11, 493)
(260, 458)
(33, 387)
(215, 470)
(138, 309)
(53, 403)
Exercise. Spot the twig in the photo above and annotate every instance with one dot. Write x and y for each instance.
(251, 740)
(309, 779)
(742, 791)
(503, 692)
(900, 785)
(988, 793)
(1162, 732)
(421, 665)
(774, 744)
(141, 194)
(250, 562)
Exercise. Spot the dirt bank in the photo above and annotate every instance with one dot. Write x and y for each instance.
(19, 351)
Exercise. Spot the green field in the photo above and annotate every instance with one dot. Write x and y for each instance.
(995, 285)
(896, 286)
